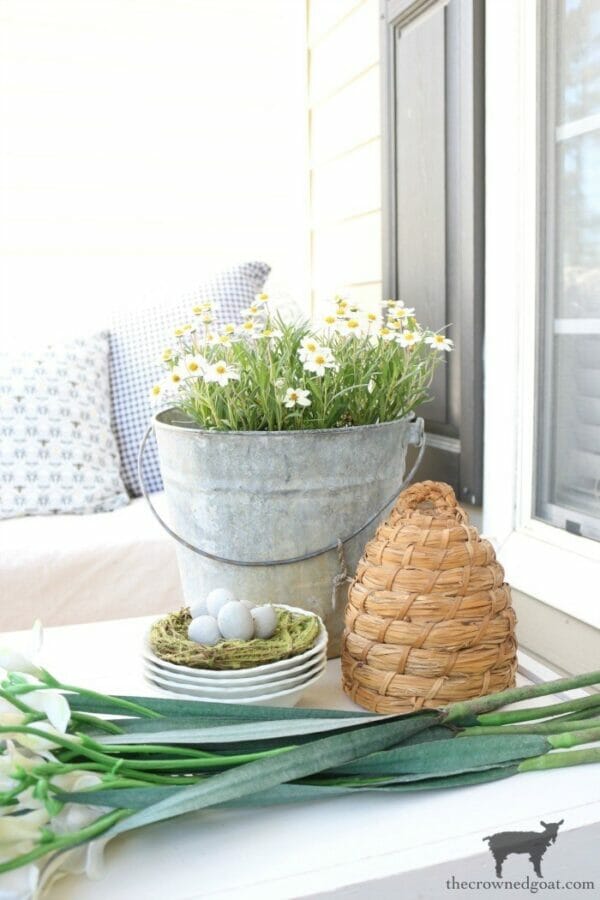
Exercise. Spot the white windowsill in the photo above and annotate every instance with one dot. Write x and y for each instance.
(560, 576)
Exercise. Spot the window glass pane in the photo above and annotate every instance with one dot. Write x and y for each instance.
(578, 75)
(568, 446)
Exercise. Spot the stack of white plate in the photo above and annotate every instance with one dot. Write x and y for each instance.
(279, 683)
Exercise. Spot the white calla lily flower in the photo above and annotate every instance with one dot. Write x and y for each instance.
(20, 884)
(23, 829)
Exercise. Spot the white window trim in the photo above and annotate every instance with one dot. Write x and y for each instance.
(560, 569)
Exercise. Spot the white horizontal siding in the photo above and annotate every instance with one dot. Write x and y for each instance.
(345, 150)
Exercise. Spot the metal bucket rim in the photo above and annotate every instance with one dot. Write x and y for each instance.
(347, 429)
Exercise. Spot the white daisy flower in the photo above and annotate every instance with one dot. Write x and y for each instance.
(409, 338)
(221, 373)
(352, 326)
(439, 342)
(270, 333)
(182, 330)
(176, 377)
(386, 333)
(296, 397)
(248, 327)
(204, 306)
(402, 312)
(261, 298)
(308, 346)
(254, 309)
(319, 361)
(194, 365)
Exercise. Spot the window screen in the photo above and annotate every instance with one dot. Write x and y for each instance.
(568, 444)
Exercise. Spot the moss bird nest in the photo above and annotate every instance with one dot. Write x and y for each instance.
(295, 633)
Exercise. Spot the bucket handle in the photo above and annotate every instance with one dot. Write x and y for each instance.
(416, 438)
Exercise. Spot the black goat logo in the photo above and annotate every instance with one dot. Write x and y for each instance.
(534, 843)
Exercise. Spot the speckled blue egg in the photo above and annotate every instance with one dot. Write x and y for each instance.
(198, 608)
(205, 630)
(236, 622)
(217, 599)
(265, 621)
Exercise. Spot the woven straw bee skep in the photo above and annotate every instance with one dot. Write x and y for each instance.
(429, 618)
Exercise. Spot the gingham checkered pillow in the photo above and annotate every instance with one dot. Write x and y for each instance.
(136, 341)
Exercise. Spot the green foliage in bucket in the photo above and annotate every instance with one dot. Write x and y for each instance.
(267, 375)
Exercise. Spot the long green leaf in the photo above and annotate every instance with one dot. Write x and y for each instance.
(266, 773)
(204, 710)
(141, 798)
(447, 756)
(228, 734)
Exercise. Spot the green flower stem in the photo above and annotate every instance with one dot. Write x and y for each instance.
(49, 769)
(467, 712)
(134, 708)
(560, 760)
(158, 750)
(69, 840)
(62, 741)
(190, 764)
(551, 727)
(539, 712)
(574, 738)
(98, 723)
(20, 705)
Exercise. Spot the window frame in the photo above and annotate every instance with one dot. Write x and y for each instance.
(545, 562)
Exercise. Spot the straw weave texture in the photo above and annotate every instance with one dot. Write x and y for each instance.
(429, 618)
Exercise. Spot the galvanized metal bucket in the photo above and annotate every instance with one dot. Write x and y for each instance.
(278, 517)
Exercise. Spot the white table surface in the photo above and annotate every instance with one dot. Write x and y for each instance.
(367, 846)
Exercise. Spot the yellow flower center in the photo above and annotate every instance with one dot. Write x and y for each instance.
(372, 317)
(294, 396)
(330, 320)
(193, 366)
(167, 354)
(221, 370)
(175, 377)
(409, 335)
(156, 390)
(320, 360)
(384, 330)
(353, 323)
(311, 347)
(248, 326)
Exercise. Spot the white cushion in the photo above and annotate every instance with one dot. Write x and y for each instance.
(57, 451)
(71, 569)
